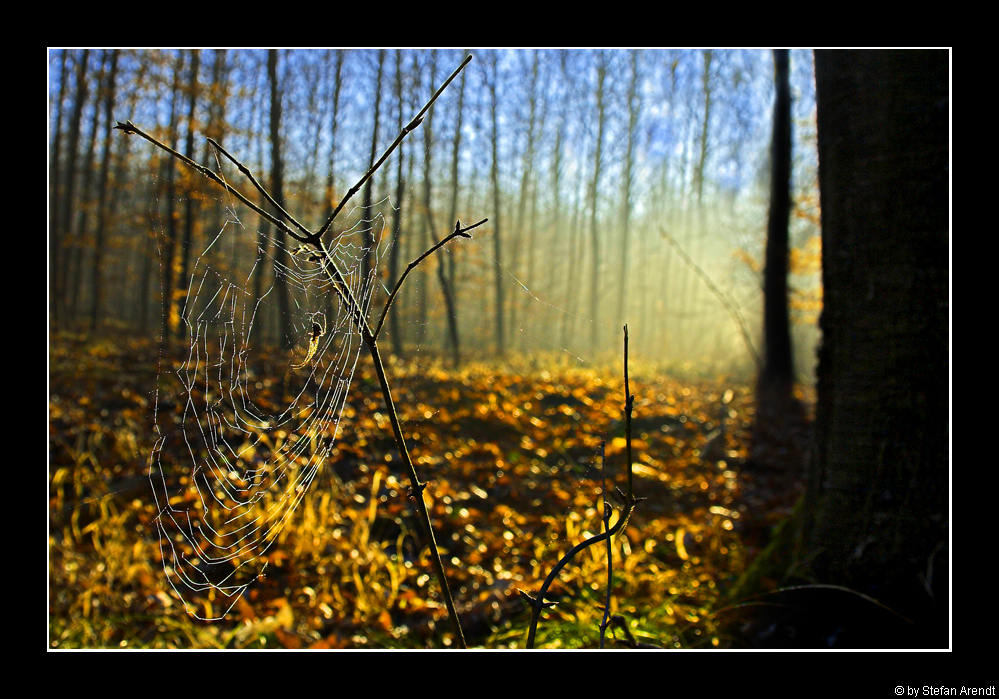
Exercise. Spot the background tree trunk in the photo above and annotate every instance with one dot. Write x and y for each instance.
(277, 191)
(368, 261)
(442, 277)
(876, 517)
(594, 198)
(778, 367)
(189, 201)
(96, 288)
(393, 271)
(495, 218)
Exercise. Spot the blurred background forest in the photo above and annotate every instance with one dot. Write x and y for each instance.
(614, 181)
(620, 187)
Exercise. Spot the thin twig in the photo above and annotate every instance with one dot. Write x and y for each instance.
(458, 232)
(249, 175)
(629, 404)
(129, 128)
(411, 126)
(538, 603)
(610, 549)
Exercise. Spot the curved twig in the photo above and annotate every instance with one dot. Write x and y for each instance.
(458, 232)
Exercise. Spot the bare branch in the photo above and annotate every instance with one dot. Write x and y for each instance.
(266, 195)
(415, 122)
(458, 232)
(129, 128)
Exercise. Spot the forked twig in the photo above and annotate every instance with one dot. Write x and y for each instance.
(307, 237)
(128, 128)
(411, 126)
(263, 192)
(458, 232)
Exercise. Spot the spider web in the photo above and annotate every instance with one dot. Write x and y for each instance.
(243, 430)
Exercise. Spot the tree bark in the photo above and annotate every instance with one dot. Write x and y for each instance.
(449, 305)
(170, 197)
(876, 517)
(778, 367)
(58, 272)
(85, 203)
(55, 192)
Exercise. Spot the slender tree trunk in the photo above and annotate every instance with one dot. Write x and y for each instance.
(453, 208)
(85, 203)
(367, 262)
(449, 304)
(497, 248)
(331, 195)
(526, 171)
(594, 199)
(335, 113)
(171, 219)
(277, 191)
(633, 109)
(55, 191)
(215, 128)
(397, 219)
(189, 213)
(702, 157)
(59, 253)
(96, 289)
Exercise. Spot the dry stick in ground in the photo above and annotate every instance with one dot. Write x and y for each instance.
(629, 405)
(537, 602)
(369, 336)
(605, 621)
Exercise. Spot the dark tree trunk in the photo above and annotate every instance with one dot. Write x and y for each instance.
(96, 288)
(277, 191)
(876, 517)
(85, 204)
(58, 272)
(442, 278)
(171, 219)
(633, 108)
(55, 191)
(778, 366)
(394, 252)
(189, 213)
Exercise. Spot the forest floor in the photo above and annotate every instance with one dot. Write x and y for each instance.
(511, 454)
